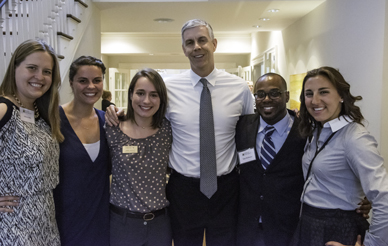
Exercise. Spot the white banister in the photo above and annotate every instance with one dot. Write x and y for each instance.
(44, 19)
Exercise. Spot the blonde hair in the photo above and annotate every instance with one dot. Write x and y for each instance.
(48, 104)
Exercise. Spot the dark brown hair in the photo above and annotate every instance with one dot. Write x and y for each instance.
(85, 61)
(348, 108)
(161, 89)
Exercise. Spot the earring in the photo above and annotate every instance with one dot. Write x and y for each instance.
(342, 101)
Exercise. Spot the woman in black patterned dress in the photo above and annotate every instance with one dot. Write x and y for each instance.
(29, 150)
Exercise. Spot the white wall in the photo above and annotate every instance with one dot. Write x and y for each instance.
(262, 41)
(144, 43)
(90, 44)
(384, 102)
(167, 61)
(348, 35)
(105, 59)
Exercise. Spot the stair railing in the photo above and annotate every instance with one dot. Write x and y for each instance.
(43, 19)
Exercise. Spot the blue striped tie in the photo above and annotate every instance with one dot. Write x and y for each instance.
(267, 152)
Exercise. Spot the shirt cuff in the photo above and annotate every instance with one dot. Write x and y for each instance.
(373, 240)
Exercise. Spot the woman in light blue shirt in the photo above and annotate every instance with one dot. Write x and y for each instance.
(341, 165)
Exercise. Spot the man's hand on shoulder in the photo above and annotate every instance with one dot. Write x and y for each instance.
(112, 115)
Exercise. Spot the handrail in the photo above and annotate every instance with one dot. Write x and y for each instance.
(61, 23)
(2, 3)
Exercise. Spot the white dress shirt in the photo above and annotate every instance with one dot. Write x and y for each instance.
(231, 98)
(347, 168)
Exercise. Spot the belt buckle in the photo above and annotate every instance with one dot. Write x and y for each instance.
(148, 216)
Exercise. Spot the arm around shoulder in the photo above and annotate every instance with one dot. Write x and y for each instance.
(249, 102)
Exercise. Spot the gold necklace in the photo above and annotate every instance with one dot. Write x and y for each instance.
(21, 105)
(143, 127)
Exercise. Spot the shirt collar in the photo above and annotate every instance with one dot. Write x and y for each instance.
(281, 126)
(211, 78)
(338, 123)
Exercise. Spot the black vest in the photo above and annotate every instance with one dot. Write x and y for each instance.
(272, 194)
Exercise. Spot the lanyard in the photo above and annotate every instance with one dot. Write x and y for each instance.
(317, 152)
(309, 171)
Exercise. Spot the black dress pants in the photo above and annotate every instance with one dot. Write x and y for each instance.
(192, 213)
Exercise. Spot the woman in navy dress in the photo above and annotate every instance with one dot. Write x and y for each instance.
(82, 196)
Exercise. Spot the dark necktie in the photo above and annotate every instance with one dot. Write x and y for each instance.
(208, 169)
(267, 152)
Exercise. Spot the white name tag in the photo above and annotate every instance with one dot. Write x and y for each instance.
(27, 115)
(246, 155)
(129, 149)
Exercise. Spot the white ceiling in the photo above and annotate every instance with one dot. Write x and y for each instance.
(225, 16)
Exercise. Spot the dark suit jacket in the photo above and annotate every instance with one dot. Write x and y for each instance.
(274, 194)
(105, 104)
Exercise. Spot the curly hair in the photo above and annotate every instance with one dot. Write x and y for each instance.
(307, 122)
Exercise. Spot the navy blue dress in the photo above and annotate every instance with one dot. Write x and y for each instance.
(82, 196)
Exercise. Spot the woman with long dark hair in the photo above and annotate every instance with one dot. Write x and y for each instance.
(341, 165)
(82, 196)
(140, 147)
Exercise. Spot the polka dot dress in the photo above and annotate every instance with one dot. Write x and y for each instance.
(139, 177)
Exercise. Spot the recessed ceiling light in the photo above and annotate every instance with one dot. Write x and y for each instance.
(273, 10)
(150, 54)
(256, 26)
(163, 20)
(264, 19)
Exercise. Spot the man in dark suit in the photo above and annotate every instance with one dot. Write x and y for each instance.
(269, 194)
(270, 187)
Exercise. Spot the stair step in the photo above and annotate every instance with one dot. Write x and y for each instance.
(73, 18)
(82, 3)
(65, 35)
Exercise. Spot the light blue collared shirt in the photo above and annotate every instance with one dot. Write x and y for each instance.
(347, 169)
(279, 136)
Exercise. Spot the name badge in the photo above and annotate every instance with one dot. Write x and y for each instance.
(129, 149)
(27, 115)
(246, 155)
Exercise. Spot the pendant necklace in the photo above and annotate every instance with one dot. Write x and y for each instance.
(21, 105)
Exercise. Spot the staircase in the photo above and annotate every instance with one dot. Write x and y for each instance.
(61, 23)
